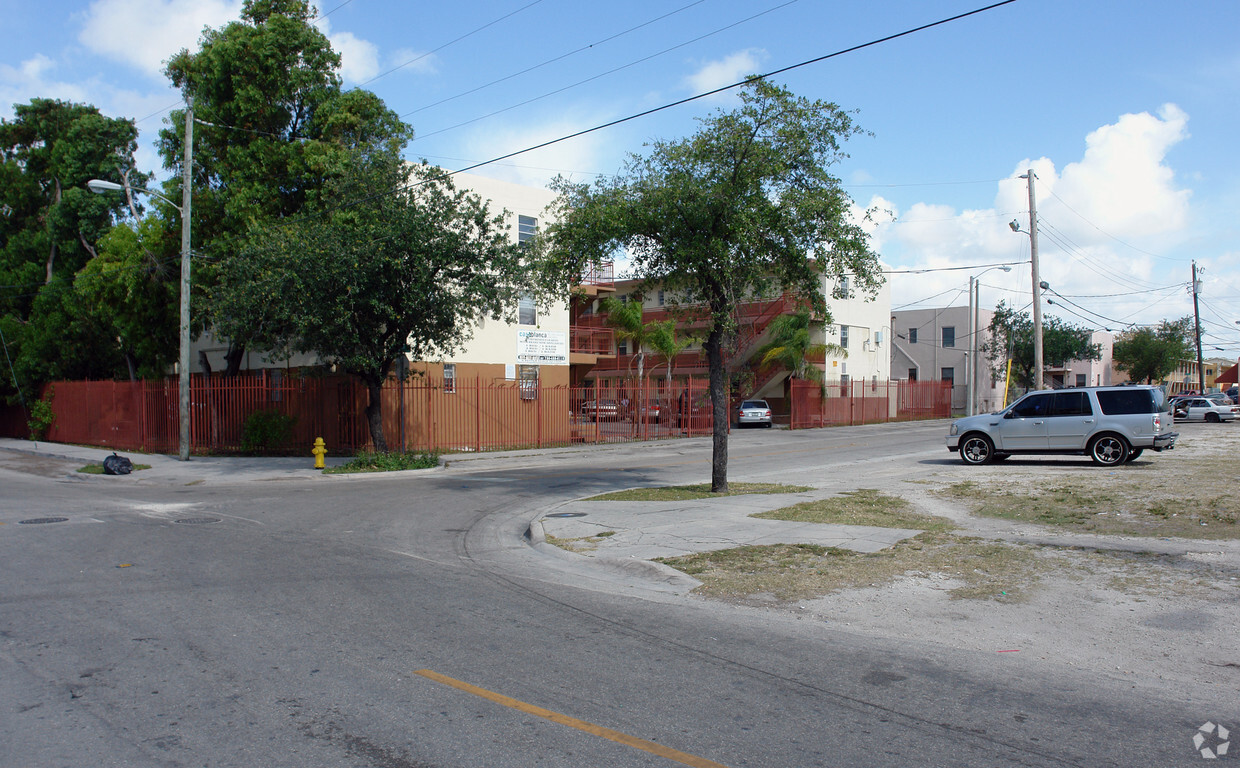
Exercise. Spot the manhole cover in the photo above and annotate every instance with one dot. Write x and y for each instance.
(197, 520)
(567, 514)
(41, 520)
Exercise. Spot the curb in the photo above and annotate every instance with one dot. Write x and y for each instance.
(659, 573)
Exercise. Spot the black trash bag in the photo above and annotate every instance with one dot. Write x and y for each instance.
(117, 465)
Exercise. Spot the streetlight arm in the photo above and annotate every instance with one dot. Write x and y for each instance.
(101, 187)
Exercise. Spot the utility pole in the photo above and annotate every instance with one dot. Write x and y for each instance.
(1201, 373)
(183, 378)
(970, 360)
(1037, 294)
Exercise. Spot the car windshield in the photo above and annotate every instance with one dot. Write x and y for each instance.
(754, 404)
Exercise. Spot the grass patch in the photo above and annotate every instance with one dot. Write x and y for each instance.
(970, 569)
(580, 545)
(1135, 505)
(386, 462)
(97, 469)
(690, 492)
(865, 506)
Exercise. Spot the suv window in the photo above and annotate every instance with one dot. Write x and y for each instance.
(1120, 401)
(1072, 404)
(1034, 405)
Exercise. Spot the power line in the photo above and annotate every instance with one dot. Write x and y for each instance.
(604, 74)
(1108, 234)
(555, 59)
(418, 58)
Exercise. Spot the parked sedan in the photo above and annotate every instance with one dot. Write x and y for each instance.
(606, 410)
(1204, 409)
(753, 412)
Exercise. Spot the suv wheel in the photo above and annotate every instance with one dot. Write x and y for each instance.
(1108, 450)
(977, 449)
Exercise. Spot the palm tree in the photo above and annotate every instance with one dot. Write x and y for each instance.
(792, 347)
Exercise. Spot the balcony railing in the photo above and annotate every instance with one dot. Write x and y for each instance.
(592, 341)
(603, 273)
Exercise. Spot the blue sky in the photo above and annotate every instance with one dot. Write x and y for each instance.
(1127, 110)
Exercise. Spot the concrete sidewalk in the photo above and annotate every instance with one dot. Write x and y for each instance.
(637, 532)
(169, 470)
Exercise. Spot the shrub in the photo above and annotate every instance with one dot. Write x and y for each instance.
(41, 417)
(265, 431)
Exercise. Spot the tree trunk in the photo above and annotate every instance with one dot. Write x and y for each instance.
(719, 411)
(374, 416)
(233, 358)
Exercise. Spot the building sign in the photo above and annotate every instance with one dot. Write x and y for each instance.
(542, 347)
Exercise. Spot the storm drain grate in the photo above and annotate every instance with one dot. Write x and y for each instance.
(41, 520)
(567, 514)
(197, 520)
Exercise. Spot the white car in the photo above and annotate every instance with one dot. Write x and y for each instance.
(753, 412)
(1204, 409)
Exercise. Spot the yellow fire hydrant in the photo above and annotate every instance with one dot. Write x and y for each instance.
(319, 451)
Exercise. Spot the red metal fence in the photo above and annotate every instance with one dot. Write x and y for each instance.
(867, 402)
(425, 415)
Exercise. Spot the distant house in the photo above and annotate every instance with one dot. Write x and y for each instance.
(934, 345)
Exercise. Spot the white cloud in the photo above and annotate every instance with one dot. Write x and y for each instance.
(576, 158)
(35, 78)
(146, 33)
(414, 61)
(359, 59)
(1121, 191)
(725, 71)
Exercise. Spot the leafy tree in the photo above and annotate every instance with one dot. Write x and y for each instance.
(663, 340)
(411, 272)
(1011, 337)
(273, 128)
(133, 283)
(49, 227)
(626, 318)
(793, 348)
(1151, 354)
(743, 209)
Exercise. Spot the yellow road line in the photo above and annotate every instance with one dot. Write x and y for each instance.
(572, 722)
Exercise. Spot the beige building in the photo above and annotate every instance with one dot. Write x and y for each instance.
(534, 349)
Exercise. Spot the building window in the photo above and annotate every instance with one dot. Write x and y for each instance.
(949, 336)
(622, 347)
(844, 336)
(948, 375)
(912, 335)
(1082, 379)
(527, 310)
(841, 289)
(660, 298)
(449, 378)
(526, 227)
(912, 374)
(527, 376)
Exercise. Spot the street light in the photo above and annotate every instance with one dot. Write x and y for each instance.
(99, 187)
(975, 283)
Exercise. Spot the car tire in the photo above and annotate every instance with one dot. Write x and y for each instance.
(1134, 454)
(1108, 450)
(976, 450)
(1212, 418)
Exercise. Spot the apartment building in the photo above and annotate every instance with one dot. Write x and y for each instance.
(935, 344)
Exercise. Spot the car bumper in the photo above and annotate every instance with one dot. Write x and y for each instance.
(743, 420)
(1165, 441)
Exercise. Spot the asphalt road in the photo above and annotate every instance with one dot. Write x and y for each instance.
(402, 621)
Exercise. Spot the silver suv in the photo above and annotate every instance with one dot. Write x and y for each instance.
(1109, 424)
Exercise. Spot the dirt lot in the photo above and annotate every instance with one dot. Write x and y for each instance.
(1133, 571)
